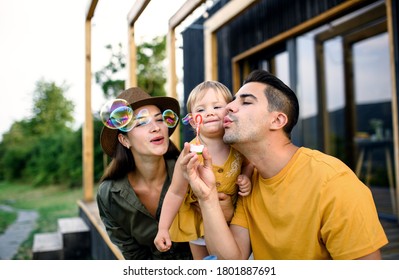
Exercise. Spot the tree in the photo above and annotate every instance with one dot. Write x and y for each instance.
(33, 149)
(107, 78)
(150, 70)
(15, 150)
(52, 112)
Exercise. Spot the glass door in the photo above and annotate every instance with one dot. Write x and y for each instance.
(356, 96)
(373, 112)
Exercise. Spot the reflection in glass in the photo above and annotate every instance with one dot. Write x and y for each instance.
(373, 97)
(306, 91)
(373, 92)
(335, 96)
(282, 67)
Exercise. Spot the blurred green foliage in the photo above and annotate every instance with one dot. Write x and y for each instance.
(150, 71)
(44, 149)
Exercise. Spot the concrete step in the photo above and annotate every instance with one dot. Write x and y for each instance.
(70, 242)
(47, 246)
(75, 237)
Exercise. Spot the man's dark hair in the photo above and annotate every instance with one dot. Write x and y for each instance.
(279, 96)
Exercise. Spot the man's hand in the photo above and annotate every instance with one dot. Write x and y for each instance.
(227, 206)
(201, 177)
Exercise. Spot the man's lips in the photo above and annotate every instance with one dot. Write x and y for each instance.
(226, 122)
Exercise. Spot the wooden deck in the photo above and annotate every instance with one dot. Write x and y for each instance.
(102, 247)
(389, 221)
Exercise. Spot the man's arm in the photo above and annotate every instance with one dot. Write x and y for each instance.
(219, 239)
(376, 255)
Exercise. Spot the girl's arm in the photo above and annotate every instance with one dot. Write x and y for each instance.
(171, 204)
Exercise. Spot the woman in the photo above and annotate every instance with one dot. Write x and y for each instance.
(134, 184)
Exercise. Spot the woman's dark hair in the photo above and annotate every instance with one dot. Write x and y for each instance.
(279, 96)
(123, 162)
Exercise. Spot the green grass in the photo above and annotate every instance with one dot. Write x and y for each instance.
(6, 218)
(51, 203)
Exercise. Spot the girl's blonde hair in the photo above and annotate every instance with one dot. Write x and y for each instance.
(199, 91)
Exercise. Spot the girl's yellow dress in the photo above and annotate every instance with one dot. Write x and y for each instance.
(188, 224)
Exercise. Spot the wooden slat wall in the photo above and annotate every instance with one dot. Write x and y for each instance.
(266, 20)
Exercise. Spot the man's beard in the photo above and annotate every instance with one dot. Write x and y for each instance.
(230, 138)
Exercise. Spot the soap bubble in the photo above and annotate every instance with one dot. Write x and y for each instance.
(170, 118)
(186, 120)
(142, 118)
(116, 114)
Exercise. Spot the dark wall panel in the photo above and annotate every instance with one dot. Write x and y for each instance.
(261, 22)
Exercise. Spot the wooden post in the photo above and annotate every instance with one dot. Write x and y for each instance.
(88, 143)
(131, 81)
(395, 109)
(88, 131)
(172, 78)
(188, 7)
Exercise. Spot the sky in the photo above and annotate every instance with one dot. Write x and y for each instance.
(45, 39)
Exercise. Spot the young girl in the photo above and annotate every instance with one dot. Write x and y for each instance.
(180, 221)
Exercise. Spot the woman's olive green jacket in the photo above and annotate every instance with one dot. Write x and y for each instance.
(128, 223)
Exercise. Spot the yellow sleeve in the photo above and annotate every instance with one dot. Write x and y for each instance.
(350, 227)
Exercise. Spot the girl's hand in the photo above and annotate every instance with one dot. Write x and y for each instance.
(244, 185)
(162, 240)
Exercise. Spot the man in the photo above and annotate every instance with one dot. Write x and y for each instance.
(304, 204)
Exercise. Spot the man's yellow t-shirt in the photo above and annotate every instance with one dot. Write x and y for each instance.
(314, 208)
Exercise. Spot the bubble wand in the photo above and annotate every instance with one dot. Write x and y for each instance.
(198, 121)
(197, 147)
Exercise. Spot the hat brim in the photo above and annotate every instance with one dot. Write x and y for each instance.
(109, 137)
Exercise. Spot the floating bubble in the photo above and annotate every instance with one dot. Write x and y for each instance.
(186, 120)
(142, 118)
(116, 114)
(170, 118)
